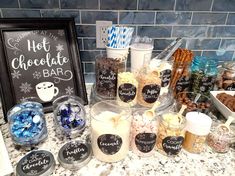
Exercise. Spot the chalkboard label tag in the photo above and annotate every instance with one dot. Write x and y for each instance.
(74, 154)
(127, 92)
(206, 84)
(150, 93)
(172, 144)
(182, 84)
(145, 142)
(36, 163)
(109, 144)
(231, 87)
(165, 76)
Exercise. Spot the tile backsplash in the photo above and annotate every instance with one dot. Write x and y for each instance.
(206, 25)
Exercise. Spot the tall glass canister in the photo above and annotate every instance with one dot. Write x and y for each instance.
(110, 130)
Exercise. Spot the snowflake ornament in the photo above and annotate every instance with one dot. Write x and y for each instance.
(16, 74)
(25, 87)
(59, 47)
(69, 90)
(36, 75)
(61, 33)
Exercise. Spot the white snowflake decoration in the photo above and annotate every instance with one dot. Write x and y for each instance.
(36, 75)
(60, 32)
(59, 47)
(25, 87)
(69, 90)
(16, 74)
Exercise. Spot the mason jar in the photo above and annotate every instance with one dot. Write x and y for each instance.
(110, 130)
(226, 76)
(203, 75)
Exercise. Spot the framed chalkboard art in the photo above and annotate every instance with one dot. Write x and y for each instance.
(39, 57)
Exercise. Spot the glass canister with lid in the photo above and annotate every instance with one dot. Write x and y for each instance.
(203, 75)
(149, 87)
(27, 124)
(171, 133)
(107, 69)
(226, 76)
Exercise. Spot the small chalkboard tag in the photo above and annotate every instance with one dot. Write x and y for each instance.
(107, 79)
(172, 144)
(206, 84)
(74, 155)
(182, 84)
(150, 93)
(145, 142)
(231, 87)
(165, 76)
(127, 92)
(109, 144)
(36, 163)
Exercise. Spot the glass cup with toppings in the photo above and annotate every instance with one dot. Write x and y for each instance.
(143, 133)
(110, 130)
(69, 116)
(171, 133)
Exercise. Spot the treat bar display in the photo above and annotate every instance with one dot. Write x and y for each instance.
(154, 118)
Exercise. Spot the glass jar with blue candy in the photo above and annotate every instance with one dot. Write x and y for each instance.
(203, 75)
(69, 116)
(27, 124)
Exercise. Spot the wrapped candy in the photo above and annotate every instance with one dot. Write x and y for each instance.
(27, 123)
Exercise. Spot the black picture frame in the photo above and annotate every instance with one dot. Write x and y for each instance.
(15, 26)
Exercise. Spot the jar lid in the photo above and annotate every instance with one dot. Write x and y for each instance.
(36, 163)
(198, 123)
(74, 155)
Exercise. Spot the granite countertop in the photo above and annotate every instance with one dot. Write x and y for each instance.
(206, 163)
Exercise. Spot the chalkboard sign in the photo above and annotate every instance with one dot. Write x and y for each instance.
(39, 60)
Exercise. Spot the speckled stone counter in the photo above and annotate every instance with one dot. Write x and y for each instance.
(206, 163)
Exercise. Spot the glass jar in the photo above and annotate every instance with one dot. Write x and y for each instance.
(106, 70)
(27, 124)
(171, 132)
(143, 133)
(110, 130)
(127, 88)
(197, 128)
(164, 69)
(69, 116)
(226, 76)
(220, 141)
(203, 75)
(148, 88)
(180, 77)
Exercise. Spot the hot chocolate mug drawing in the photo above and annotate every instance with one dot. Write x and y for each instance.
(46, 91)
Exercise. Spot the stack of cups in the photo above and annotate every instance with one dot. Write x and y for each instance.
(140, 52)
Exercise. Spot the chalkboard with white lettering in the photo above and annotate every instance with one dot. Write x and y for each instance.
(41, 62)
